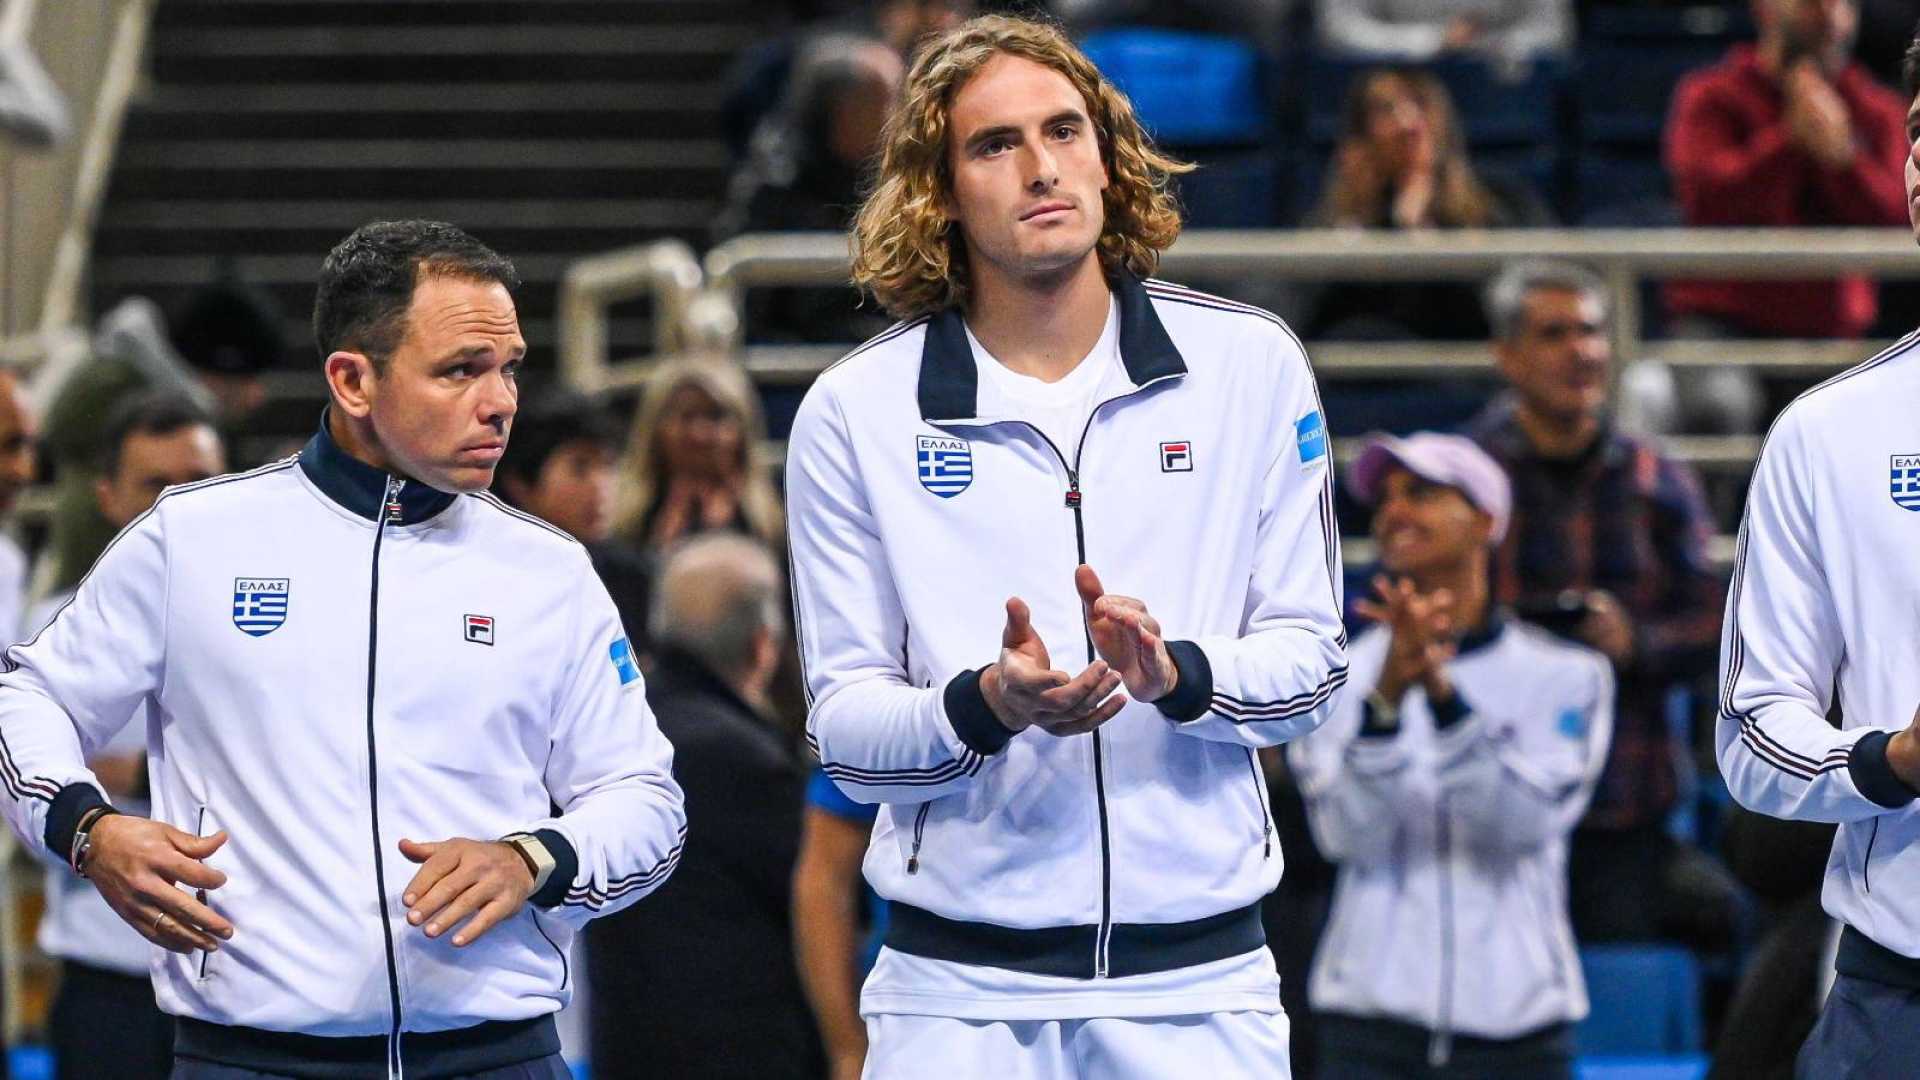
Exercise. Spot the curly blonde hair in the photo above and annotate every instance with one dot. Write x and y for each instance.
(911, 256)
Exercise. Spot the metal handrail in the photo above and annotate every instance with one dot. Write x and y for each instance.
(665, 270)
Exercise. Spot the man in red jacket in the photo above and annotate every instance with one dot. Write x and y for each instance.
(1786, 131)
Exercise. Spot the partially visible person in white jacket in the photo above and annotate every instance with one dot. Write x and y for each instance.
(152, 442)
(1444, 786)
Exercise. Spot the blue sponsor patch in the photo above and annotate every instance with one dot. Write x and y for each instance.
(621, 654)
(1311, 435)
(1573, 723)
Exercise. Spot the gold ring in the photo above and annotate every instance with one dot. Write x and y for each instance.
(160, 921)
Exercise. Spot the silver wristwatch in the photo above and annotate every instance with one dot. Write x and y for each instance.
(539, 860)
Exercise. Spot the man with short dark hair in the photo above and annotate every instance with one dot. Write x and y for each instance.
(1608, 546)
(563, 467)
(702, 982)
(152, 443)
(354, 659)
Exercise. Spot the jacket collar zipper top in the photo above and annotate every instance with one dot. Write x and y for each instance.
(949, 396)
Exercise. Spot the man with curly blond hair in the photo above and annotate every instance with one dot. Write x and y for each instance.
(1075, 859)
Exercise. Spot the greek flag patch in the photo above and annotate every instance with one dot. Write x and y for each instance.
(1311, 435)
(1906, 481)
(945, 463)
(259, 605)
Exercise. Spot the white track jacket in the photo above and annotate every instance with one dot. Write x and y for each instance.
(1201, 486)
(334, 659)
(1821, 617)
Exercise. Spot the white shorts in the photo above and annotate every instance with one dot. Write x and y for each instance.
(1211, 1046)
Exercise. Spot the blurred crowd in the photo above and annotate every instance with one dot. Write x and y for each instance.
(1554, 506)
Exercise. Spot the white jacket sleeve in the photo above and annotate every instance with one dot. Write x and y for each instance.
(1515, 787)
(878, 736)
(622, 820)
(1276, 679)
(64, 694)
(1357, 788)
(1780, 651)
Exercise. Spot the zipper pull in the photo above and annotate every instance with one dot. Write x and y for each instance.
(1073, 491)
(913, 864)
(394, 485)
(1266, 835)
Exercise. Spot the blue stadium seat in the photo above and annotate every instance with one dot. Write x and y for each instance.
(1625, 189)
(1646, 1001)
(1188, 89)
(1236, 191)
(1680, 1067)
(1634, 56)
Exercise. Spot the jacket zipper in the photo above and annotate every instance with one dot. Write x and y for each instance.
(200, 829)
(1260, 798)
(390, 511)
(1440, 1047)
(919, 829)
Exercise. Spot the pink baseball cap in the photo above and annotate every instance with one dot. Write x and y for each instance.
(1452, 460)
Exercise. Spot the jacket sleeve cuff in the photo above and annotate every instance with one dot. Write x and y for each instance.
(566, 867)
(971, 717)
(1192, 684)
(1871, 773)
(63, 817)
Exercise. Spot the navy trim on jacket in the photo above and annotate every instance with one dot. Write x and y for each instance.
(495, 1044)
(359, 486)
(1068, 951)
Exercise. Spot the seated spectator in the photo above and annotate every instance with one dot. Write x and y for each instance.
(693, 463)
(1401, 163)
(700, 980)
(562, 465)
(1461, 754)
(1786, 131)
(150, 443)
(829, 895)
(1417, 30)
(1609, 547)
(759, 81)
(212, 355)
(803, 172)
(18, 459)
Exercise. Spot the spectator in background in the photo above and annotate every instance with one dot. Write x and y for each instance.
(700, 981)
(150, 443)
(1401, 163)
(1455, 764)
(829, 893)
(562, 465)
(212, 355)
(694, 462)
(804, 171)
(18, 458)
(763, 78)
(1609, 547)
(1786, 131)
(1419, 30)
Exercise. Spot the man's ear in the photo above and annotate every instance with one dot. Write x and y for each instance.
(352, 381)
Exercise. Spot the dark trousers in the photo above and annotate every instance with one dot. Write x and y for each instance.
(547, 1068)
(1868, 1031)
(105, 1026)
(1372, 1048)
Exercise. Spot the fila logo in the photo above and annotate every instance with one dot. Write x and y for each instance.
(480, 629)
(1176, 456)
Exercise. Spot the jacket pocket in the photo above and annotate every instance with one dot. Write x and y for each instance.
(1260, 811)
(918, 838)
(204, 824)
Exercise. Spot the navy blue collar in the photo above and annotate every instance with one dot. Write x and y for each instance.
(1484, 635)
(362, 488)
(949, 381)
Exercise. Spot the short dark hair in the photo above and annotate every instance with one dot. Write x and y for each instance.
(146, 414)
(551, 421)
(367, 281)
(1910, 67)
